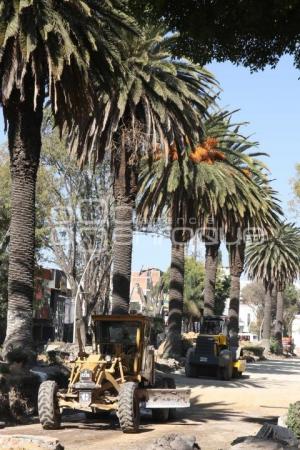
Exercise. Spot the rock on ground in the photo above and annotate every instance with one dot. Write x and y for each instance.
(253, 443)
(279, 434)
(174, 442)
(12, 442)
(270, 437)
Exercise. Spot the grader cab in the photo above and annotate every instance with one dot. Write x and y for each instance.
(118, 376)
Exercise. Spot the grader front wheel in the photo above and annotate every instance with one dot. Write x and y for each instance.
(129, 408)
(49, 413)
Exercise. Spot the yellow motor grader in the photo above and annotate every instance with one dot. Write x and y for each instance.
(118, 376)
(214, 352)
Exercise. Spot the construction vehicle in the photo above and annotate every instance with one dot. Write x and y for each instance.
(214, 353)
(118, 376)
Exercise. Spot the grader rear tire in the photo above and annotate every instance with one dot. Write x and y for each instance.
(49, 413)
(129, 408)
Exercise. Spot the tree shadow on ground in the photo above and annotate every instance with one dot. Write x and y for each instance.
(264, 369)
(215, 411)
(277, 367)
(204, 382)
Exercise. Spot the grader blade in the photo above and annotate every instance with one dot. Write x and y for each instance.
(167, 398)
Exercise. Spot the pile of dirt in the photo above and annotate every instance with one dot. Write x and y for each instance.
(174, 442)
(20, 381)
(253, 353)
(18, 393)
(169, 365)
(191, 336)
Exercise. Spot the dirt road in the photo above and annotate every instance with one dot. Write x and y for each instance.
(220, 412)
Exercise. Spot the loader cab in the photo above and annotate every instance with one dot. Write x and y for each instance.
(214, 326)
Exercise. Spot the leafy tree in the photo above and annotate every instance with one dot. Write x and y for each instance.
(253, 295)
(194, 275)
(49, 49)
(246, 32)
(74, 223)
(276, 262)
(291, 302)
(80, 224)
(158, 103)
(222, 292)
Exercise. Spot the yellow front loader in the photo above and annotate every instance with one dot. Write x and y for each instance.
(213, 353)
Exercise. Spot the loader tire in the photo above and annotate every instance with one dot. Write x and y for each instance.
(191, 371)
(49, 413)
(228, 372)
(225, 373)
(129, 408)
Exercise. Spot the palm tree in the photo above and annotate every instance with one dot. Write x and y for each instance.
(159, 103)
(275, 261)
(190, 191)
(261, 220)
(49, 50)
(230, 192)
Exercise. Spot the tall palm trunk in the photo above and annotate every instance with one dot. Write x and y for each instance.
(237, 262)
(125, 185)
(173, 344)
(211, 268)
(279, 319)
(24, 140)
(266, 334)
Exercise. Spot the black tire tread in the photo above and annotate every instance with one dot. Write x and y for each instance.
(50, 418)
(191, 371)
(129, 421)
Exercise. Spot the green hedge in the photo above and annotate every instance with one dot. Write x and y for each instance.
(293, 418)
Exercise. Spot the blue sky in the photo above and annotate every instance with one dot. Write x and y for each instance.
(270, 101)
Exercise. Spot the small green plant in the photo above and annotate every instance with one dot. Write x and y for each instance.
(275, 347)
(293, 418)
